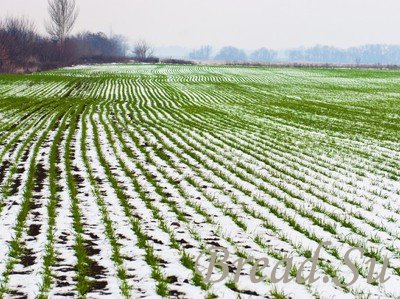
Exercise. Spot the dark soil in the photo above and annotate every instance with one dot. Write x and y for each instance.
(3, 169)
(41, 175)
(28, 259)
(34, 230)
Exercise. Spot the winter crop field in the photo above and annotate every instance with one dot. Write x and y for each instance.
(115, 178)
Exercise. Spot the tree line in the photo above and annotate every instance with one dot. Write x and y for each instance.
(367, 54)
(230, 53)
(23, 49)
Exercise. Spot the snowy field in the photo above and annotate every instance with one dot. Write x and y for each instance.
(115, 178)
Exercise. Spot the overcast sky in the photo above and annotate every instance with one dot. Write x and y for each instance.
(243, 23)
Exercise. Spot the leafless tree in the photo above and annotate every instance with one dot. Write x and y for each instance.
(4, 56)
(142, 50)
(63, 15)
(18, 39)
(203, 53)
(231, 54)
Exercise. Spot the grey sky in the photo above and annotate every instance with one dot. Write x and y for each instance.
(243, 23)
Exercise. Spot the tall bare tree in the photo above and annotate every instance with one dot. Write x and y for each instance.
(142, 50)
(63, 15)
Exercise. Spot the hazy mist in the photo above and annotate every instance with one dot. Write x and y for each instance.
(246, 24)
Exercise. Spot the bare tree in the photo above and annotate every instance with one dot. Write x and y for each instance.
(231, 54)
(63, 15)
(263, 55)
(4, 51)
(18, 39)
(203, 53)
(142, 50)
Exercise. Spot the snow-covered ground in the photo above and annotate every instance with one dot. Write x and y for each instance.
(114, 179)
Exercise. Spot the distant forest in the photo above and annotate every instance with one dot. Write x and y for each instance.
(367, 54)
